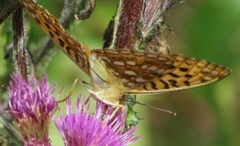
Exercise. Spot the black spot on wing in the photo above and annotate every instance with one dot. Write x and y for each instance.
(78, 57)
(187, 83)
(173, 75)
(145, 87)
(188, 76)
(61, 42)
(153, 85)
(166, 86)
(47, 25)
(173, 83)
(183, 69)
(51, 34)
(38, 21)
(57, 33)
(68, 49)
(171, 67)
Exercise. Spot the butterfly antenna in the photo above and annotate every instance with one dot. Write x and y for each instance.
(159, 109)
(155, 108)
(71, 91)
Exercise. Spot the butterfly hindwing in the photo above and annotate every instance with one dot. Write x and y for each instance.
(144, 72)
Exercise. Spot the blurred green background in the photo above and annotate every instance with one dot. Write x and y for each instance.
(204, 29)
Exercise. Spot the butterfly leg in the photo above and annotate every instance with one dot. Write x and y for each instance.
(70, 93)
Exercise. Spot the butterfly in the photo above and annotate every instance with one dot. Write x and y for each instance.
(115, 73)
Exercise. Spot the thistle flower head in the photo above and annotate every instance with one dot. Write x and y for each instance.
(103, 128)
(32, 106)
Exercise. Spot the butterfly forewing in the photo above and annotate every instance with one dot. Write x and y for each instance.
(144, 72)
(168, 83)
(52, 27)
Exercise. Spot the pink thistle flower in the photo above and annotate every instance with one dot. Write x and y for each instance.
(32, 105)
(104, 128)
